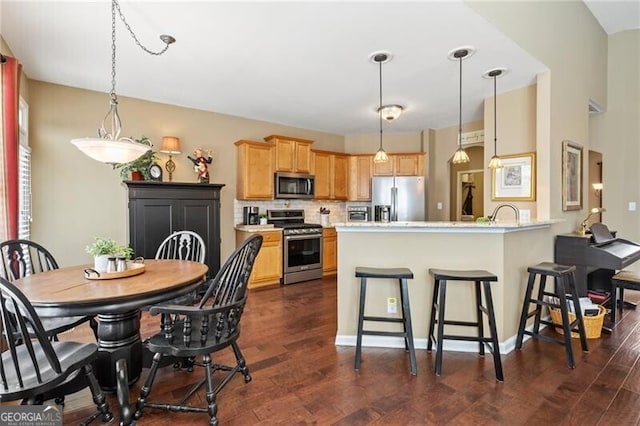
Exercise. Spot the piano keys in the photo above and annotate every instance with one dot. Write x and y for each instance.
(597, 257)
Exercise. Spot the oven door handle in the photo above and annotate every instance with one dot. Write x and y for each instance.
(302, 237)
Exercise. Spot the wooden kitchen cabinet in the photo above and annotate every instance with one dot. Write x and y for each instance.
(360, 172)
(331, 171)
(254, 170)
(291, 154)
(409, 164)
(267, 269)
(157, 209)
(329, 251)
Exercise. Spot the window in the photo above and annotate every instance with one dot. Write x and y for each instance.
(24, 173)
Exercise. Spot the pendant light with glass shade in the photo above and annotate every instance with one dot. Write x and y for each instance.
(109, 147)
(380, 58)
(460, 155)
(496, 162)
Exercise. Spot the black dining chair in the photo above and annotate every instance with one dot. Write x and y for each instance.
(21, 258)
(201, 330)
(38, 369)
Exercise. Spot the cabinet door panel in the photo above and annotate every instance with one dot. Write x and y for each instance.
(322, 170)
(153, 221)
(384, 169)
(199, 216)
(285, 154)
(303, 158)
(341, 178)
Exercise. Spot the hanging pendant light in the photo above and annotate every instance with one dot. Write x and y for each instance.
(109, 147)
(496, 162)
(380, 58)
(460, 155)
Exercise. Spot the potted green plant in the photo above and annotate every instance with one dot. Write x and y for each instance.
(139, 168)
(263, 218)
(103, 248)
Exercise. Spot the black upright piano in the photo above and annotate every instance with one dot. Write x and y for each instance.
(597, 256)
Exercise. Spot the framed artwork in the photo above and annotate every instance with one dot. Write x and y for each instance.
(571, 176)
(516, 180)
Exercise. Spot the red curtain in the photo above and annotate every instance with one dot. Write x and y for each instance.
(10, 140)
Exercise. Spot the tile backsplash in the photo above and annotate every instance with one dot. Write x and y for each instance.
(311, 208)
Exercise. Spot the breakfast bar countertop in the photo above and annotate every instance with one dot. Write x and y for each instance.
(472, 227)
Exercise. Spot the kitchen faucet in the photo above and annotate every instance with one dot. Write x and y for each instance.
(493, 215)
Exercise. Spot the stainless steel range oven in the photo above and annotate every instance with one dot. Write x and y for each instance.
(302, 245)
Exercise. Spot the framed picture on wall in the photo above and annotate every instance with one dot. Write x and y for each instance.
(516, 180)
(571, 176)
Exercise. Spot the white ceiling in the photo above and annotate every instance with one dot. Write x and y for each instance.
(615, 15)
(303, 64)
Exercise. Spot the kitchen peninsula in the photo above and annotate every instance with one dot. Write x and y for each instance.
(505, 249)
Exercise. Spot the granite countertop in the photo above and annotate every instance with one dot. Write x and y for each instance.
(257, 228)
(490, 227)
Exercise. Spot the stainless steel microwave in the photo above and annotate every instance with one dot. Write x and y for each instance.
(294, 185)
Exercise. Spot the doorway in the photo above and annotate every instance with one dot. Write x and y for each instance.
(469, 195)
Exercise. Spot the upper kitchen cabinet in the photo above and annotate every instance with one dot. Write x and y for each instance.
(331, 171)
(291, 154)
(360, 177)
(254, 170)
(411, 164)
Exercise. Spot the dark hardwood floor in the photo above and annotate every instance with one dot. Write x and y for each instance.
(301, 377)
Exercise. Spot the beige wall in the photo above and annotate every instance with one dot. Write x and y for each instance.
(616, 134)
(391, 142)
(516, 135)
(569, 41)
(75, 198)
(442, 145)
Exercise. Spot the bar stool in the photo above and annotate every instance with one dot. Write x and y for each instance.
(564, 281)
(620, 281)
(441, 276)
(401, 274)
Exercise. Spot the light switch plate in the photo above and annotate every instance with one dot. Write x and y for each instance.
(439, 206)
(632, 206)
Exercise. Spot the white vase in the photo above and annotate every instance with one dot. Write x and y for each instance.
(100, 262)
(263, 221)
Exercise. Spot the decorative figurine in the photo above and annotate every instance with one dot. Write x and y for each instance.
(200, 163)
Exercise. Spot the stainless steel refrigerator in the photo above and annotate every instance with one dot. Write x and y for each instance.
(406, 195)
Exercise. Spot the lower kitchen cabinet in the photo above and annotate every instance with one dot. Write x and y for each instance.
(329, 251)
(156, 209)
(267, 269)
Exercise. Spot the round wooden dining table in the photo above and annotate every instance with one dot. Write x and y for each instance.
(116, 302)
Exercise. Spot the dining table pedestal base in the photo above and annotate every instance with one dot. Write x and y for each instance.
(118, 338)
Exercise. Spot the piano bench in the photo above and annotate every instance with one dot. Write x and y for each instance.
(565, 283)
(622, 280)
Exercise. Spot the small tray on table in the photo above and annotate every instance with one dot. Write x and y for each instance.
(133, 269)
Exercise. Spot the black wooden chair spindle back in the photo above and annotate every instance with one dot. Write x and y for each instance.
(199, 331)
(37, 369)
(22, 258)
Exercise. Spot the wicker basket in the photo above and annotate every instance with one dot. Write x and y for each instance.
(592, 325)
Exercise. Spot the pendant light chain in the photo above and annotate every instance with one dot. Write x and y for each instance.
(114, 98)
(166, 39)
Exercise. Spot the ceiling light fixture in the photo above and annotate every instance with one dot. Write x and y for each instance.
(380, 58)
(109, 147)
(460, 155)
(496, 162)
(390, 112)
